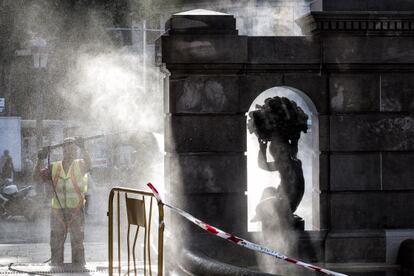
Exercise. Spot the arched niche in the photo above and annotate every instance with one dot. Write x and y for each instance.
(308, 153)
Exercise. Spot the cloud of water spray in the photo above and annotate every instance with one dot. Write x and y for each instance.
(269, 18)
(98, 87)
(259, 17)
(108, 91)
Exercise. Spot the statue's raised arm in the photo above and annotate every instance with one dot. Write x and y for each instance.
(278, 125)
(262, 158)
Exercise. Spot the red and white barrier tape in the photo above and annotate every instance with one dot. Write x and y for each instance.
(239, 241)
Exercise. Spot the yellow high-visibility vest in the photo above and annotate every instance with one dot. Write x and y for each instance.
(70, 187)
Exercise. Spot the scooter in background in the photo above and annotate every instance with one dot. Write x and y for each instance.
(15, 202)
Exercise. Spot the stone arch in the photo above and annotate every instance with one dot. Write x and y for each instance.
(308, 153)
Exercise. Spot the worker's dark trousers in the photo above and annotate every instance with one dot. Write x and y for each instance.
(75, 223)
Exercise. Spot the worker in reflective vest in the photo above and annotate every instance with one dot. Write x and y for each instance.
(69, 186)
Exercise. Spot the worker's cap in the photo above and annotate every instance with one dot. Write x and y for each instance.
(69, 140)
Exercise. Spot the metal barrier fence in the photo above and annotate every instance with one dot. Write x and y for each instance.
(136, 215)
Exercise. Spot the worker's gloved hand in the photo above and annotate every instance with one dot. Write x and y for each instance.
(80, 142)
(43, 153)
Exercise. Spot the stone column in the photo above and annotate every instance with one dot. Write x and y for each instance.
(205, 135)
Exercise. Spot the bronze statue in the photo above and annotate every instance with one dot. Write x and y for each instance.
(278, 125)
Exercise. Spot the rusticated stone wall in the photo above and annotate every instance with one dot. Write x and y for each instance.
(359, 78)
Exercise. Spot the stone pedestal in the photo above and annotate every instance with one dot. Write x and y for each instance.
(356, 68)
(205, 142)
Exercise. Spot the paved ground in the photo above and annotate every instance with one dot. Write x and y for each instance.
(19, 230)
(43, 269)
(27, 245)
(91, 268)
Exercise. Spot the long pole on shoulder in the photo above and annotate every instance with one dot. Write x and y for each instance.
(92, 138)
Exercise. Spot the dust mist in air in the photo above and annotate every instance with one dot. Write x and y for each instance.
(98, 80)
(104, 87)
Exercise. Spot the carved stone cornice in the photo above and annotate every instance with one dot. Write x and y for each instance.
(358, 23)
